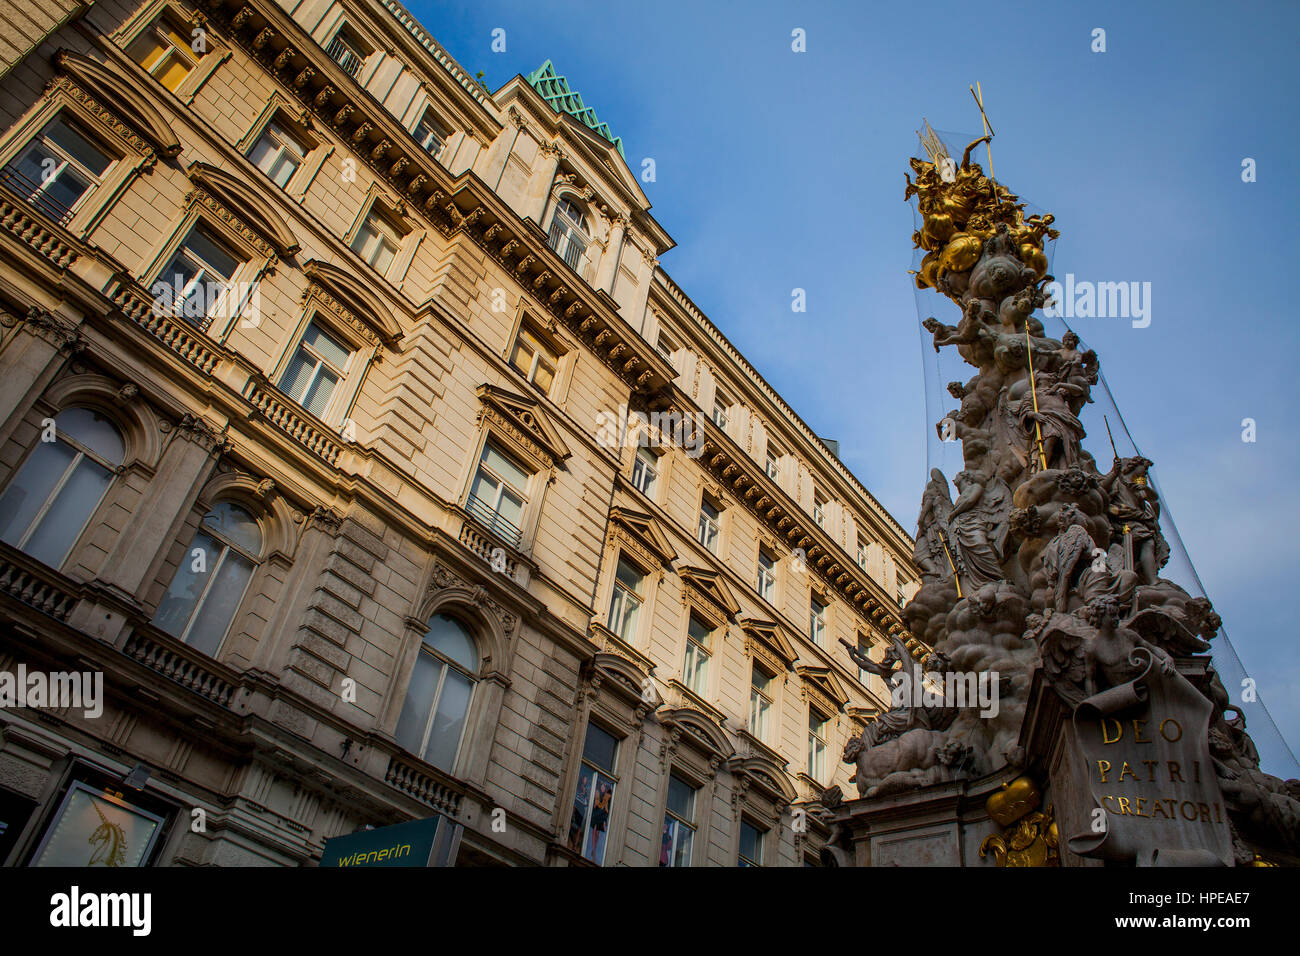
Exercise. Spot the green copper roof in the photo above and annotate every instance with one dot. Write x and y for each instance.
(555, 90)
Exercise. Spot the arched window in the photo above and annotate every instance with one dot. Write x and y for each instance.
(209, 585)
(47, 503)
(432, 723)
(568, 234)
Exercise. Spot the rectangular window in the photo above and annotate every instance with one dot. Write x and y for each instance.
(589, 825)
(902, 593)
(347, 51)
(862, 552)
(751, 844)
(679, 823)
(817, 622)
(772, 464)
(626, 602)
(760, 702)
(708, 530)
(568, 233)
(645, 471)
(816, 745)
(695, 674)
(377, 242)
(721, 405)
(766, 575)
(535, 360)
(430, 134)
(57, 170)
(666, 345)
(819, 509)
(864, 645)
(165, 54)
(498, 495)
(278, 153)
(313, 374)
(194, 283)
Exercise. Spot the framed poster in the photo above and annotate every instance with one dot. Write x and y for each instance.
(95, 828)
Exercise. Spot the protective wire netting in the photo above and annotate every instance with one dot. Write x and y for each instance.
(1276, 757)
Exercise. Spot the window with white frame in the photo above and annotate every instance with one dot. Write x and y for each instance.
(645, 471)
(166, 53)
(901, 592)
(348, 50)
(721, 407)
(819, 509)
(196, 282)
(707, 532)
(58, 169)
(499, 494)
(48, 501)
(430, 134)
(594, 800)
(627, 600)
(209, 584)
(772, 463)
(817, 734)
(313, 374)
(666, 344)
(864, 646)
(679, 823)
(766, 584)
(862, 551)
(434, 714)
(817, 621)
(760, 702)
(695, 671)
(568, 235)
(278, 153)
(535, 359)
(751, 844)
(377, 242)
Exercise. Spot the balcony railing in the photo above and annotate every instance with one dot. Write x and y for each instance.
(493, 521)
(35, 196)
(345, 57)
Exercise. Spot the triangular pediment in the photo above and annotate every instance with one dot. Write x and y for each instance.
(531, 421)
(767, 635)
(710, 584)
(823, 682)
(644, 529)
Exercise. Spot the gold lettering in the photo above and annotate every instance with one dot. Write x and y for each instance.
(1104, 799)
(1177, 725)
(1175, 771)
(1138, 812)
(1137, 732)
(1151, 768)
(1105, 731)
(1123, 805)
(1205, 812)
(1182, 808)
(1157, 806)
(1126, 769)
(1103, 768)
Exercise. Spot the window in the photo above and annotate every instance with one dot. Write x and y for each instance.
(498, 495)
(377, 242)
(433, 718)
(817, 622)
(666, 345)
(278, 153)
(772, 463)
(534, 359)
(588, 828)
(312, 376)
(695, 673)
(751, 844)
(864, 646)
(766, 575)
(645, 471)
(819, 509)
(679, 823)
(721, 403)
(209, 585)
(568, 232)
(347, 50)
(57, 170)
(902, 593)
(862, 552)
(708, 530)
(760, 702)
(626, 602)
(165, 54)
(816, 745)
(430, 134)
(48, 502)
(195, 282)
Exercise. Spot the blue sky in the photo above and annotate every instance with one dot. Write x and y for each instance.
(778, 170)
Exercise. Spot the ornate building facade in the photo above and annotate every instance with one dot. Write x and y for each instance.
(352, 433)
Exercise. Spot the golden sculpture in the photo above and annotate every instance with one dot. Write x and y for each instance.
(1029, 837)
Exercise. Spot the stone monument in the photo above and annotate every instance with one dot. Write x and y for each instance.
(1114, 739)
